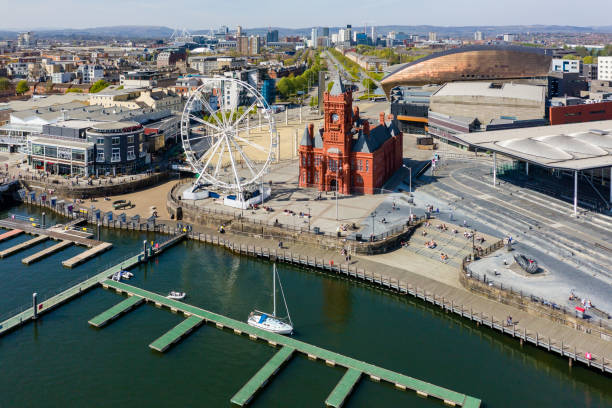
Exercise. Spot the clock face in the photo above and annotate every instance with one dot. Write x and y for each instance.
(335, 117)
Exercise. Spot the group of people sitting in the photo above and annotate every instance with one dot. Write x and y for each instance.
(442, 227)
(431, 244)
(443, 256)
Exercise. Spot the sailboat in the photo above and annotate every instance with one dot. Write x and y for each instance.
(271, 322)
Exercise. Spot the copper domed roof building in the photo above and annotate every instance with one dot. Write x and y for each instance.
(477, 62)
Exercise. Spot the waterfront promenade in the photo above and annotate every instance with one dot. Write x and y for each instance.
(419, 280)
(429, 280)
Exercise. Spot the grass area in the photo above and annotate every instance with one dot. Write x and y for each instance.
(368, 96)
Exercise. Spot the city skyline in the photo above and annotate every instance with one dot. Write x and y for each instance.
(204, 15)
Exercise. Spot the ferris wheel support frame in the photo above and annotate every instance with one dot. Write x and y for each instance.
(224, 138)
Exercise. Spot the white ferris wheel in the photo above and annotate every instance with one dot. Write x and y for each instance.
(225, 147)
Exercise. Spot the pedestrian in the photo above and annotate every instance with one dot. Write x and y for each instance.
(464, 223)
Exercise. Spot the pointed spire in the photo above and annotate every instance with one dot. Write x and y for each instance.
(337, 87)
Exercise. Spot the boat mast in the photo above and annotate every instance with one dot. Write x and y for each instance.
(274, 288)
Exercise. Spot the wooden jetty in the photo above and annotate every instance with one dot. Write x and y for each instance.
(343, 389)
(24, 245)
(84, 256)
(259, 380)
(288, 346)
(107, 316)
(46, 252)
(10, 234)
(176, 333)
(62, 233)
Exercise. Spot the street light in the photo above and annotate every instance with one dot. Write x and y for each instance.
(308, 215)
(337, 165)
(372, 215)
(410, 179)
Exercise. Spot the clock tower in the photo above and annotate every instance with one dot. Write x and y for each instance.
(337, 105)
(337, 138)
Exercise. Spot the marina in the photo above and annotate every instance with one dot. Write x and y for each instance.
(46, 252)
(345, 388)
(24, 245)
(288, 345)
(67, 234)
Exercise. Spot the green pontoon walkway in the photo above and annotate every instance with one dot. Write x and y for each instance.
(376, 373)
(105, 317)
(177, 332)
(262, 376)
(343, 389)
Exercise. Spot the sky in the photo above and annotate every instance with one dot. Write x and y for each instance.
(206, 14)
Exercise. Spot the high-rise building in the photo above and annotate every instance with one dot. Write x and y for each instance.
(26, 40)
(242, 45)
(239, 31)
(433, 37)
(509, 37)
(349, 33)
(325, 32)
(313, 37)
(604, 68)
(254, 45)
(478, 36)
(373, 35)
(272, 36)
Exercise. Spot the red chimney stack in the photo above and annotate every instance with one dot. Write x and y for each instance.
(382, 118)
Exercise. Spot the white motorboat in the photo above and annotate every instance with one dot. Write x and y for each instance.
(116, 277)
(269, 321)
(126, 275)
(176, 295)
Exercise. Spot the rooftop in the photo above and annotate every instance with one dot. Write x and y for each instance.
(493, 90)
(576, 146)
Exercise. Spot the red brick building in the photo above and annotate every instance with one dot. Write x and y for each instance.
(348, 154)
(587, 112)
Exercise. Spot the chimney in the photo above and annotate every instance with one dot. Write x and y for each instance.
(382, 118)
(366, 128)
(311, 130)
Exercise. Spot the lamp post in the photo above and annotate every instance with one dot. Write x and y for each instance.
(410, 177)
(337, 165)
(373, 215)
(473, 237)
(308, 215)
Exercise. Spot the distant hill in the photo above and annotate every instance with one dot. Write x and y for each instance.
(160, 32)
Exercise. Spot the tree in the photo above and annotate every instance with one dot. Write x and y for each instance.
(5, 84)
(22, 87)
(369, 85)
(588, 59)
(283, 87)
(98, 86)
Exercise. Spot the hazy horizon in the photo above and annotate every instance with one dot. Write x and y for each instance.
(203, 15)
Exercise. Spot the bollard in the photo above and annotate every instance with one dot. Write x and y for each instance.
(44, 216)
(98, 232)
(144, 243)
(34, 306)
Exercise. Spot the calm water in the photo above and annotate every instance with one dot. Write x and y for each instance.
(61, 361)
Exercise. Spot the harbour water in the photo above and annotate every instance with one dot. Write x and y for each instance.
(61, 361)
